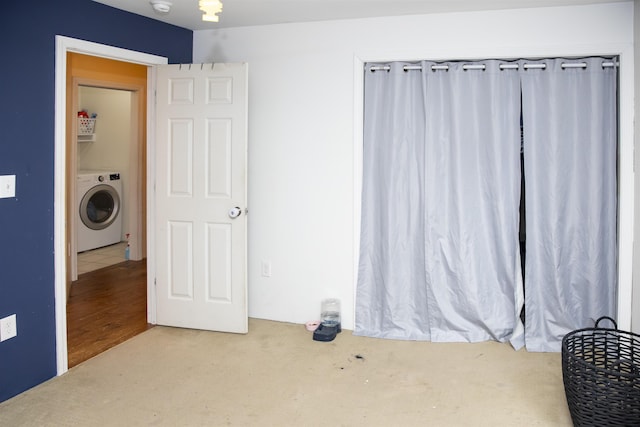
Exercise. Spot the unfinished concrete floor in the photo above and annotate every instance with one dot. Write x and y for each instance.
(278, 376)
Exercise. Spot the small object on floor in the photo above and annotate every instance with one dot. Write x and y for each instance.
(325, 333)
(127, 252)
(330, 313)
(312, 326)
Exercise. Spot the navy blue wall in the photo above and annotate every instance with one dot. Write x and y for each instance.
(27, 93)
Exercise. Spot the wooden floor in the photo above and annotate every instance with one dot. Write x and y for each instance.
(106, 307)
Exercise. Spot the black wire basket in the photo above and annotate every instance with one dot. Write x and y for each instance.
(601, 375)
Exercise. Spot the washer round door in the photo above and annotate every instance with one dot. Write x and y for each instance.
(100, 206)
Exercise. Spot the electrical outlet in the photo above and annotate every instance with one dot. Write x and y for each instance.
(266, 268)
(8, 328)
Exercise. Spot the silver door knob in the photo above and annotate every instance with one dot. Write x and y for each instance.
(234, 212)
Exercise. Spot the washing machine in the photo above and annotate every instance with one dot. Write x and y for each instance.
(99, 219)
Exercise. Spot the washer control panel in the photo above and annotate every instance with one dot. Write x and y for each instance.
(99, 177)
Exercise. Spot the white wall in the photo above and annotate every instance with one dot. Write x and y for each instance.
(636, 255)
(110, 150)
(305, 114)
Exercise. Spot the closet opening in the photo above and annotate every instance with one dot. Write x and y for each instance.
(522, 232)
(483, 179)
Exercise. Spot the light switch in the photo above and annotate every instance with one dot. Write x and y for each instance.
(7, 186)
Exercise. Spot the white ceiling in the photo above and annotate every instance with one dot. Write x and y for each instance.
(241, 13)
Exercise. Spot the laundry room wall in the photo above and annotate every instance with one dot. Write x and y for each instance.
(113, 137)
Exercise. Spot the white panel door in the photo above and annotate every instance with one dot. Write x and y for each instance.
(201, 224)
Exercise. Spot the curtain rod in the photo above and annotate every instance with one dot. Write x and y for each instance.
(564, 65)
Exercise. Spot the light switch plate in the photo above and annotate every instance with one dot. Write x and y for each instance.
(8, 327)
(7, 186)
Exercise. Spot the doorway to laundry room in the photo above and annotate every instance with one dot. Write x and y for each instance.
(104, 138)
(106, 158)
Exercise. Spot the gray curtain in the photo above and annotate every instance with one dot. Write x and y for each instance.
(439, 253)
(441, 188)
(392, 293)
(570, 153)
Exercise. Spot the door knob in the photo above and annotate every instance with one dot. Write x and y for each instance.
(235, 212)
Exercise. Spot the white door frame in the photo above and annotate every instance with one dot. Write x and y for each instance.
(64, 45)
(626, 174)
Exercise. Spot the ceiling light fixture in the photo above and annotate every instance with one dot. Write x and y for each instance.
(210, 8)
(161, 6)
